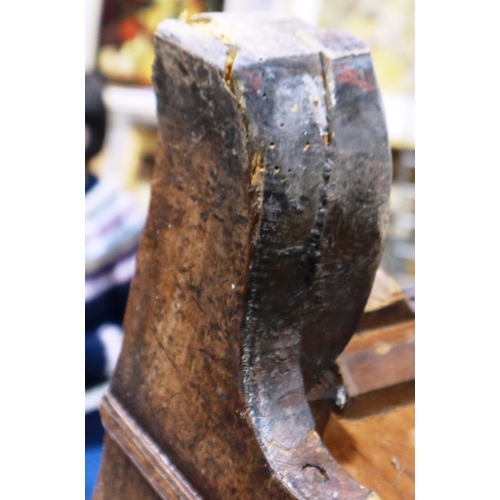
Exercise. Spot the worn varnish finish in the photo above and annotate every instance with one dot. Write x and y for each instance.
(266, 225)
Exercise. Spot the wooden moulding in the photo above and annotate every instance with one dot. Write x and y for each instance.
(152, 463)
(381, 354)
(379, 358)
(268, 214)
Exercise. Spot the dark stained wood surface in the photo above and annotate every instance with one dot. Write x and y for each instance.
(268, 213)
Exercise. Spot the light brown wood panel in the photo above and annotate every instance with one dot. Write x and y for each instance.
(377, 450)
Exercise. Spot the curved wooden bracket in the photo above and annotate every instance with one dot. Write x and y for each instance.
(268, 214)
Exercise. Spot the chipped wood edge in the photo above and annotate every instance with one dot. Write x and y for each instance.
(154, 465)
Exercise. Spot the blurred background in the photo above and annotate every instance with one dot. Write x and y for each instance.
(119, 46)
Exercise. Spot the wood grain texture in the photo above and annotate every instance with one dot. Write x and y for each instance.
(378, 358)
(267, 219)
(119, 478)
(150, 461)
(377, 449)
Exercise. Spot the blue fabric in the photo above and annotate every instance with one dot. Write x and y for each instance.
(90, 182)
(108, 307)
(94, 435)
(95, 359)
(92, 461)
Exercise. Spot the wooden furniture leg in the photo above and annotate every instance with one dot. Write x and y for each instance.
(266, 225)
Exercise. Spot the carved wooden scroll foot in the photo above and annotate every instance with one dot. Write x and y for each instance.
(268, 213)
